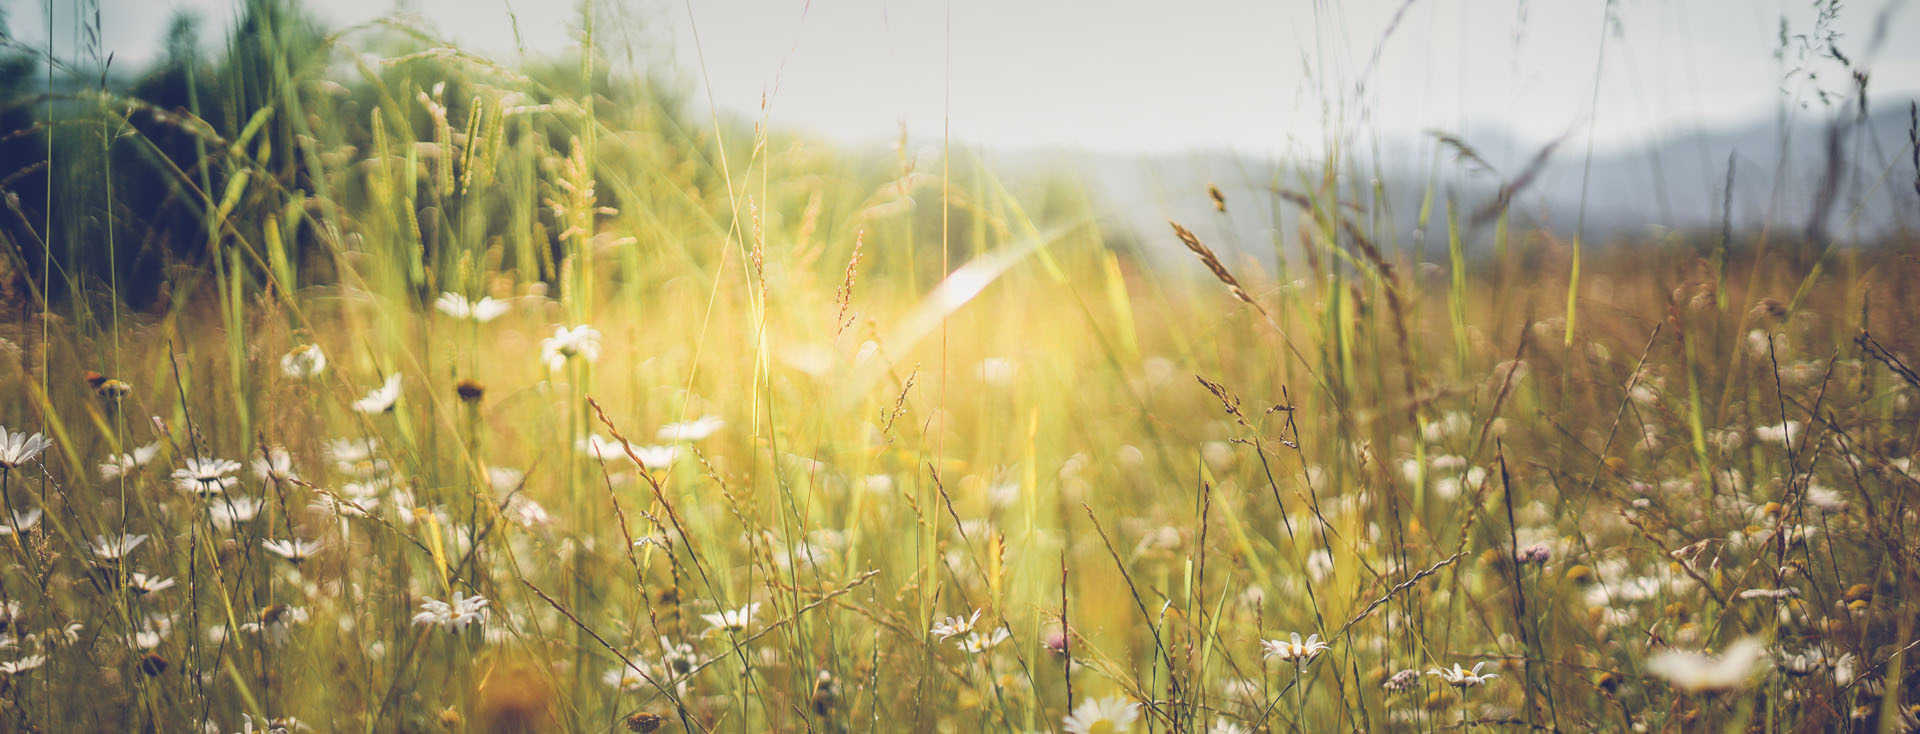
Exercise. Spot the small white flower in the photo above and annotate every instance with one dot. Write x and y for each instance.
(1102, 716)
(732, 620)
(16, 667)
(455, 614)
(976, 643)
(1303, 651)
(955, 626)
(206, 477)
(692, 430)
(118, 466)
(276, 623)
(382, 398)
(1694, 671)
(21, 521)
(581, 341)
(293, 549)
(142, 584)
(19, 448)
(277, 464)
(626, 678)
(1781, 434)
(486, 309)
(1459, 677)
(303, 362)
(113, 549)
(233, 509)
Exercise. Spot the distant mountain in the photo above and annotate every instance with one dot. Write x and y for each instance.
(1675, 183)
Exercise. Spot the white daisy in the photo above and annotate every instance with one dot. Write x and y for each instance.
(233, 509)
(976, 643)
(277, 464)
(732, 620)
(1294, 650)
(581, 341)
(21, 521)
(206, 477)
(292, 549)
(16, 667)
(1102, 716)
(626, 678)
(19, 448)
(954, 626)
(1696, 671)
(118, 466)
(1459, 677)
(486, 309)
(113, 549)
(142, 584)
(692, 430)
(382, 398)
(455, 614)
(303, 362)
(276, 623)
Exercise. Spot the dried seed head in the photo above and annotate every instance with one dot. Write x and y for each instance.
(644, 722)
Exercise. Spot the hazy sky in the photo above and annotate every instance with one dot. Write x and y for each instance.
(1134, 75)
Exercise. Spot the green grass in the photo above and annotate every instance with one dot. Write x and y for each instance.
(1019, 431)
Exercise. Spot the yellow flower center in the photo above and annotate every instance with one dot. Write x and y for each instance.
(1103, 726)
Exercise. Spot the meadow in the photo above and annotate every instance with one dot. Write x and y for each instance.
(363, 384)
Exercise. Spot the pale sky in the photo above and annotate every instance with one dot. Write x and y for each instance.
(1156, 76)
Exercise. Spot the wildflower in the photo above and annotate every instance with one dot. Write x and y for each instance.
(152, 631)
(1296, 650)
(1462, 678)
(732, 620)
(293, 549)
(470, 390)
(1772, 594)
(677, 660)
(206, 477)
(1694, 671)
(303, 362)
(581, 341)
(142, 584)
(113, 549)
(454, 614)
(118, 466)
(21, 522)
(1536, 553)
(233, 510)
(628, 677)
(19, 448)
(486, 309)
(601, 449)
(276, 623)
(1102, 716)
(1401, 681)
(953, 626)
(1223, 726)
(977, 643)
(692, 430)
(382, 398)
(1784, 433)
(274, 463)
(16, 667)
(348, 452)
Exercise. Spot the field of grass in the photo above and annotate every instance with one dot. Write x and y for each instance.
(715, 430)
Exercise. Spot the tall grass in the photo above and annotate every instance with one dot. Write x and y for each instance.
(792, 443)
